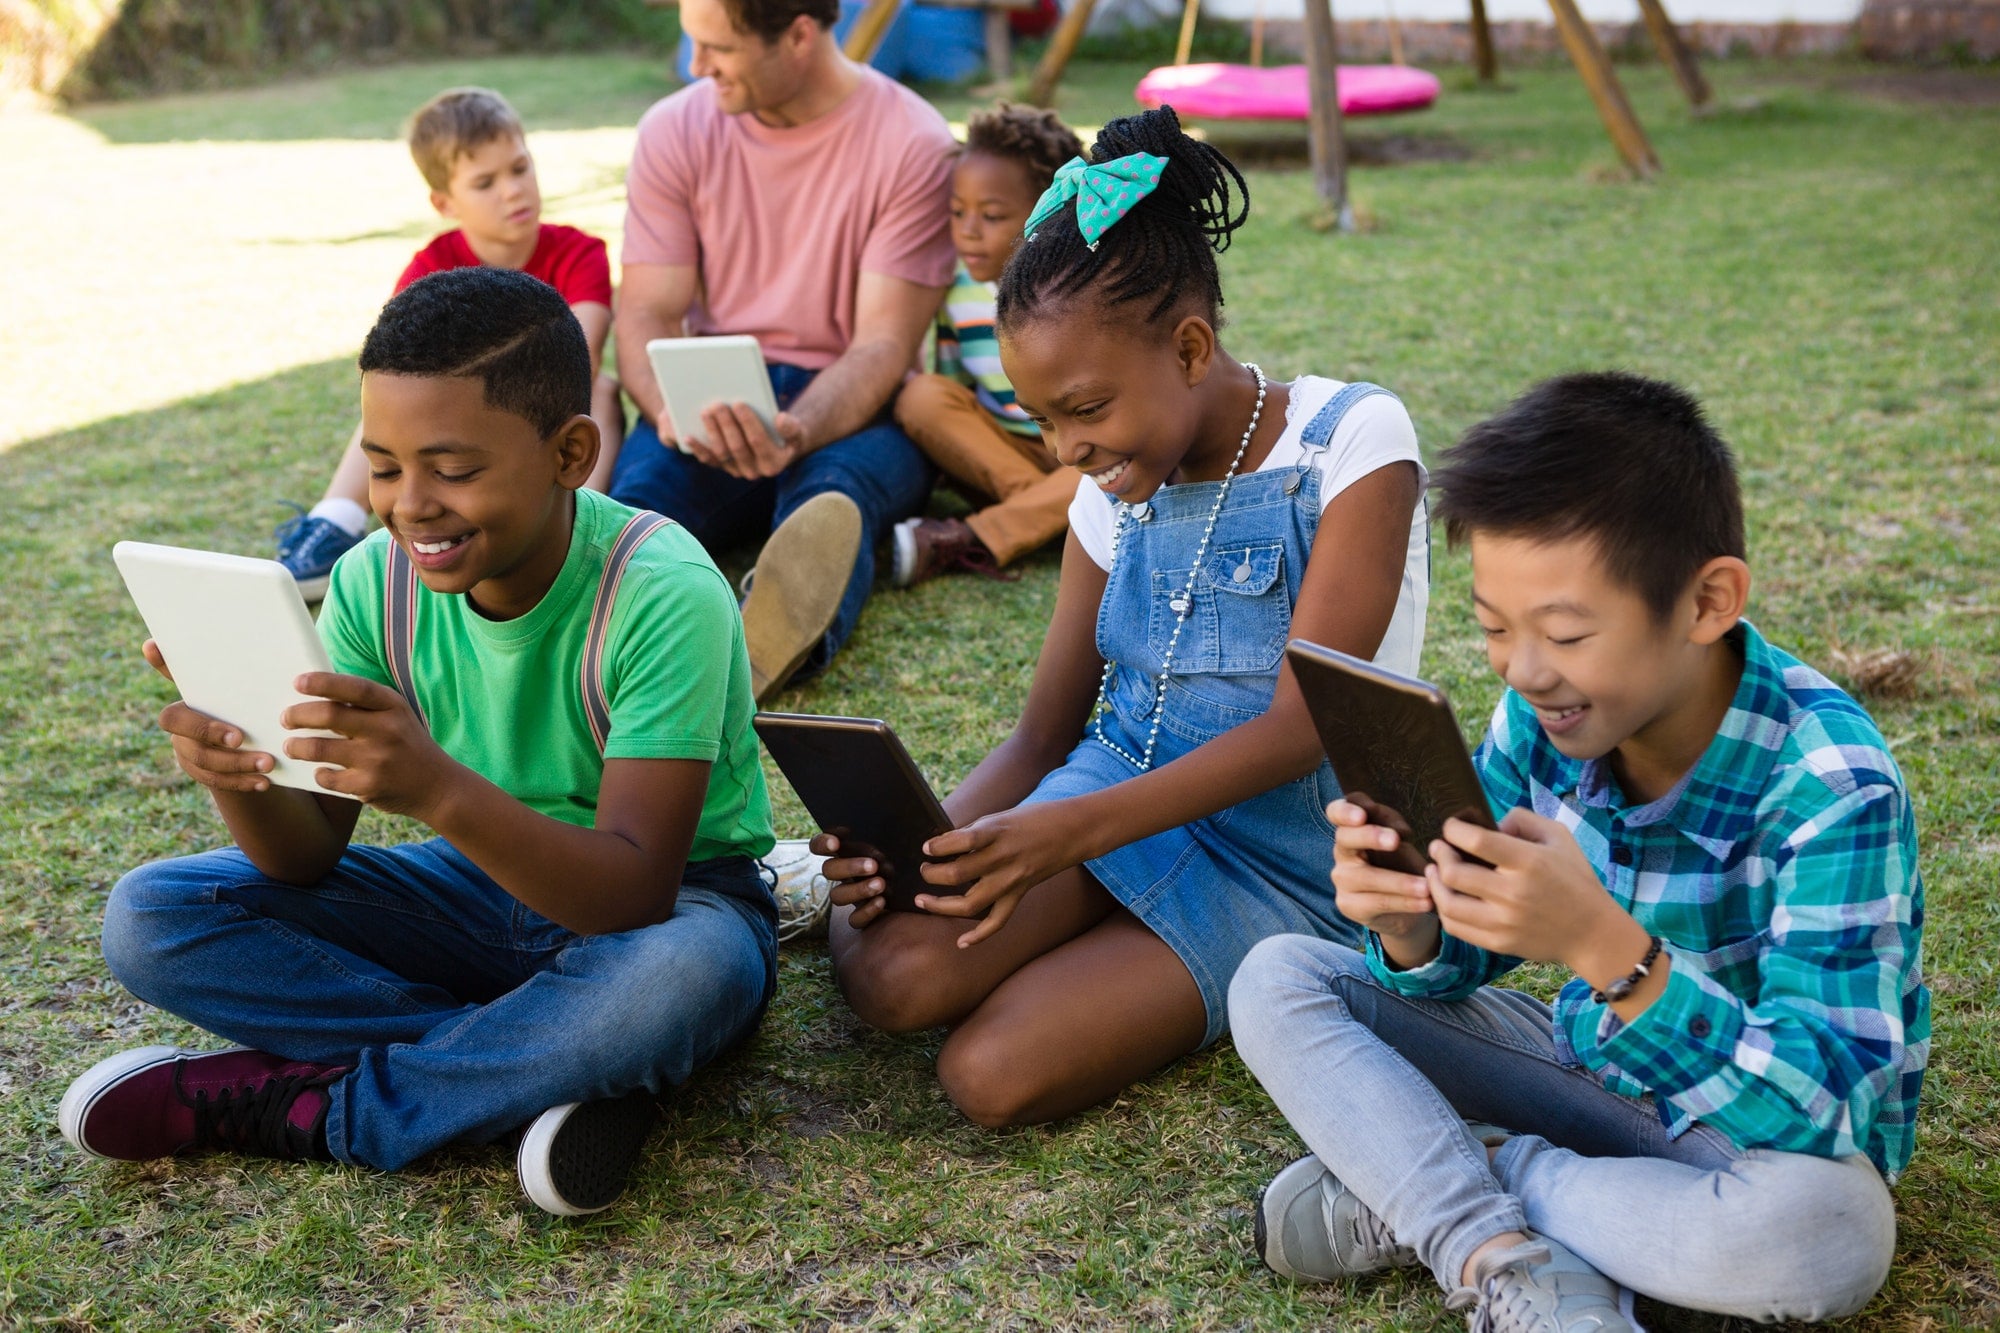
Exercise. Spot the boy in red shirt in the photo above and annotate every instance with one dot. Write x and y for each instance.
(470, 147)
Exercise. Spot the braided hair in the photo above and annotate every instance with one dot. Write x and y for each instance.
(1029, 135)
(1162, 252)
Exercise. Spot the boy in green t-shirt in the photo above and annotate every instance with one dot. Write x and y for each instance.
(557, 686)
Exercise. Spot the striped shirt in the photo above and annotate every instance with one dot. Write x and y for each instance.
(968, 352)
(1782, 874)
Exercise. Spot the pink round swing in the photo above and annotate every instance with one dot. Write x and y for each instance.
(1279, 92)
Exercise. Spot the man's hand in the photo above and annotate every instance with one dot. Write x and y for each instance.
(735, 441)
(995, 860)
(207, 748)
(1537, 898)
(1393, 903)
(386, 757)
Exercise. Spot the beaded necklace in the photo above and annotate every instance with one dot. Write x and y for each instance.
(1181, 603)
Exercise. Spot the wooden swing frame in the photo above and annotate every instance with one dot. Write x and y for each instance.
(1324, 127)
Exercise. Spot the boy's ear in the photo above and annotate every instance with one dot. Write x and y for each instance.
(576, 444)
(441, 202)
(1721, 594)
(1194, 345)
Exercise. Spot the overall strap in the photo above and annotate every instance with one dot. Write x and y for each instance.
(596, 704)
(1318, 433)
(399, 625)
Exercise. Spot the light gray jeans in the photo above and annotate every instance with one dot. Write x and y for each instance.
(1379, 1087)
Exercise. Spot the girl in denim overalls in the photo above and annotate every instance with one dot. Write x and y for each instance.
(1153, 813)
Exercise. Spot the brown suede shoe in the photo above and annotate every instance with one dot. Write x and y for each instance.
(927, 547)
(795, 593)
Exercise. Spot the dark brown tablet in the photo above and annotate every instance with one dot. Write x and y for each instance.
(1395, 747)
(859, 784)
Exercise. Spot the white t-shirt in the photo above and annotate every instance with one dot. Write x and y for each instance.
(1375, 432)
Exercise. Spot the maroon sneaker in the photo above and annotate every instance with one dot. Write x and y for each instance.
(927, 547)
(160, 1101)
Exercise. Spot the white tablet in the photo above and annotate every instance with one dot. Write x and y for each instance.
(236, 634)
(697, 373)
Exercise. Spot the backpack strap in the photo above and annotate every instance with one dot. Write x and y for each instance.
(399, 625)
(596, 704)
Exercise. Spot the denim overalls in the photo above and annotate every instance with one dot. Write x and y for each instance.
(1213, 888)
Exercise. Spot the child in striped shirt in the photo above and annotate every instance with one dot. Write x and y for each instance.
(963, 416)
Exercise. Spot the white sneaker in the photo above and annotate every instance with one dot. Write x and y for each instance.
(804, 894)
(575, 1159)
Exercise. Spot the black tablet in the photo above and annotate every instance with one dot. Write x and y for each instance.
(1395, 747)
(859, 784)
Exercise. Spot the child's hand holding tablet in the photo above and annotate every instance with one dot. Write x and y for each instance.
(235, 636)
(261, 705)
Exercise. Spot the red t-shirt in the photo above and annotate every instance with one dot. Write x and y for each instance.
(571, 261)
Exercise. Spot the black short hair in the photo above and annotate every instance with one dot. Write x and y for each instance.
(1628, 462)
(513, 333)
(1162, 252)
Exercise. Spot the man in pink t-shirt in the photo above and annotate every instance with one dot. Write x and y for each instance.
(794, 195)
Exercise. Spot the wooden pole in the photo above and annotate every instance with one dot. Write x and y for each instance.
(864, 39)
(999, 45)
(1184, 48)
(1062, 46)
(1675, 53)
(1587, 54)
(1326, 134)
(1257, 35)
(1395, 39)
(1482, 44)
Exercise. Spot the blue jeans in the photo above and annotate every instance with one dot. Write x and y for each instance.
(463, 1013)
(877, 467)
(1376, 1084)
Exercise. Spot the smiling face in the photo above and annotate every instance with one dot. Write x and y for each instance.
(991, 198)
(1119, 405)
(1602, 671)
(748, 73)
(493, 193)
(479, 500)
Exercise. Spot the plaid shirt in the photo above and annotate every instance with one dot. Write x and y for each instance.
(1782, 873)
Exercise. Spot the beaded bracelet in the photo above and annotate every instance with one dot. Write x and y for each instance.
(1626, 984)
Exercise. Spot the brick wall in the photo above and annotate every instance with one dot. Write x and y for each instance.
(1930, 29)
(1368, 39)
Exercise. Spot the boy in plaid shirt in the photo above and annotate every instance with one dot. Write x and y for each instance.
(1708, 834)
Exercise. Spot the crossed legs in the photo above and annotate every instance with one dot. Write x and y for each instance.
(1073, 1001)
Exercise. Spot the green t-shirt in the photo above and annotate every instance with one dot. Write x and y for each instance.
(505, 697)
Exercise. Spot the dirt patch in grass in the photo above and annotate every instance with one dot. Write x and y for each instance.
(1952, 87)
(1283, 148)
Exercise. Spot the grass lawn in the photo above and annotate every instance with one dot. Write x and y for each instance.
(186, 283)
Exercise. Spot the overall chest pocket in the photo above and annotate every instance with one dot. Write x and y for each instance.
(1239, 616)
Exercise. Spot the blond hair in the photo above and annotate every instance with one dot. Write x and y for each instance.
(454, 123)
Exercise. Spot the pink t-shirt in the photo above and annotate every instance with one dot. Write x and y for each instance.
(782, 223)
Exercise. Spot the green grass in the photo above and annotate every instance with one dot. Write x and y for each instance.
(187, 282)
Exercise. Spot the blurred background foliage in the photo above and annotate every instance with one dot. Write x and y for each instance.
(83, 50)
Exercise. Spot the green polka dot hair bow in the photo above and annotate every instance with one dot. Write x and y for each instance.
(1104, 192)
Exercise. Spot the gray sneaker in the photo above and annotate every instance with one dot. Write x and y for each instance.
(1540, 1287)
(804, 894)
(1311, 1228)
